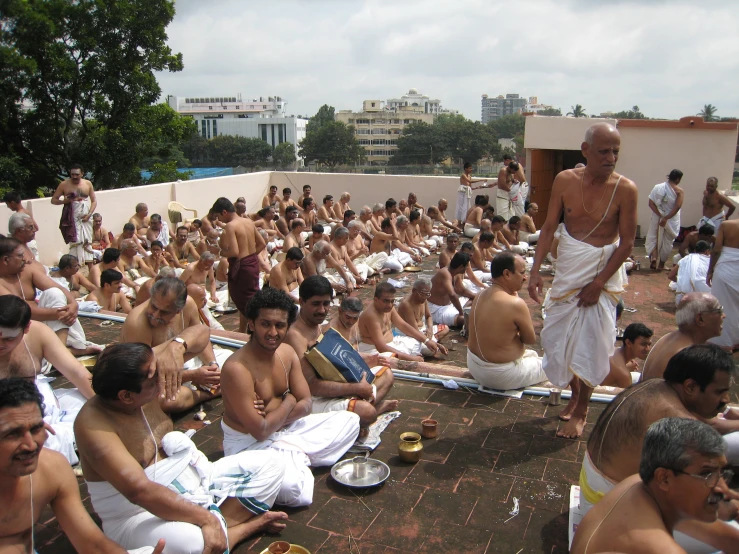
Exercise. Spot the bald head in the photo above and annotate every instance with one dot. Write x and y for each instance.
(197, 293)
(485, 224)
(601, 148)
(600, 130)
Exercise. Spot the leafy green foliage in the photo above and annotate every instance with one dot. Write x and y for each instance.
(230, 151)
(633, 113)
(167, 173)
(550, 111)
(284, 154)
(708, 113)
(329, 142)
(577, 111)
(508, 126)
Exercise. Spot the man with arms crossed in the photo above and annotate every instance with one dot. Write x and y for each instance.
(240, 244)
(713, 206)
(500, 327)
(597, 236)
(266, 369)
(364, 399)
(682, 477)
(696, 386)
(147, 481)
(624, 361)
(723, 278)
(32, 477)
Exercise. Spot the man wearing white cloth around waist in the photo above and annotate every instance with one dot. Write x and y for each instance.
(147, 482)
(665, 201)
(723, 277)
(599, 207)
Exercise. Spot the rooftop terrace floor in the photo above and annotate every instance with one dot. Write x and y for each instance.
(458, 498)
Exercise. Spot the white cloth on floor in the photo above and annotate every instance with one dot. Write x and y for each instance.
(503, 204)
(314, 440)
(60, 410)
(691, 277)
(659, 238)
(445, 315)
(405, 344)
(714, 221)
(470, 230)
(578, 340)
(254, 478)
(55, 298)
(82, 248)
(531, 238)
(725, 287)
(520, 373)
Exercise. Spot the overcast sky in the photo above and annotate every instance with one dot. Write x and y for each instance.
(668, 57)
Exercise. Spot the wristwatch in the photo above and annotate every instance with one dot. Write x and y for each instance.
(182, 341)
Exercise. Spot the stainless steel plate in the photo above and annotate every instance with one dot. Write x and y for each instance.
(377, 472)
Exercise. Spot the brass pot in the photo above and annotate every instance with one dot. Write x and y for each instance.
(410, 447)
(429, 428)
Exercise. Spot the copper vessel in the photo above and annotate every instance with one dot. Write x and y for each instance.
(410, 447)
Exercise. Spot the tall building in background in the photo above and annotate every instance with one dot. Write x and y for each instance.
(493, 108)
(262, 117)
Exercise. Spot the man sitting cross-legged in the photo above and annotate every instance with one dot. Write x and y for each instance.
(699, 317)
(682, 477)
(268, 370)
(158, 258)
(109, 296)
(111, 256)
(696, 385)
(181, 249)
(33, 477)
(197, 293)
(29, 350)
(445, 303)
(132, 264)
(376, 329)
(295, 237)
(147, 481)
(286, 275)
(511, 233)
(500, 327)
(68, 275)
(170, 320)
(345, 320)
(201, 273)
(414, 309)
(624, 365)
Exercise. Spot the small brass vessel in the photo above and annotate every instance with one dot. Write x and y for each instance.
(410, 447)
(429, 428)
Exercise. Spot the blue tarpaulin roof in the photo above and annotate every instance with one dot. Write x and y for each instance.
(199, 172)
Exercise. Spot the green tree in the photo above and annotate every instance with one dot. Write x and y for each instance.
(325, 114)
(708, 113)
(577, 111)
(465, 139)
(420, 143)
(633, 113)
(550, 111)
(508, 126)
(78, 85)
(167, 173)
(284, 154)
(256, 153)
(331, 144)
(196, 150)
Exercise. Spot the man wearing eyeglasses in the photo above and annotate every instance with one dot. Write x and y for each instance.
(696, 386)
(682, 479)
(699, 317)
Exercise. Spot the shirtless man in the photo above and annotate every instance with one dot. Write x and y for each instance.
(599, 206)
(713, 206)
(109, 296)
(316, 235)
(306, 193)
(345, 320)
(325, 215)
(14, 203)
(201, 273)
(130, 260)
(68, 276)
(357, 273)
(349, 216)
(142, 476)
(479, 261)
(79, 197)
(511, 233)
(283, 223)
(240, 244)
(22, 228)
(308, 213)
(445, 303)
(271, 198)
(682, 477)
(342, 206)
(699, 317)
(169, 320)
(415, 235)
(158, 230)
(705, 233)
(527, 232)
(129, 232)
(376, 329)
(111, 257)
(437, 215)
(294, 239)
(286, 275)
(100, 235)
(266, 369)
(266, 221)
(158, 258)
(413, 203)
(696, 386)
(414, 309)
(375, 221)
(144, 292)
(181, 249)
(362, 398)
(722, 277)
(140, 219)
(240, 207)
(356, 246)
(624, 362)
(446, 255)
(23, 458)
(322, 258)
(474, 216)
(496, 227)
(403, 244)
(285, 202)
(428, 232)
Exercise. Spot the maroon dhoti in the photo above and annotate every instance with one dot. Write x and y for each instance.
(243, 280)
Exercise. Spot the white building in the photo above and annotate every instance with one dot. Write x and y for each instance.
(414, 101)
(262, 117)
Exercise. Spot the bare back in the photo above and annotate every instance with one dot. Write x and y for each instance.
(729, 233)
(662, 351)
(494, 333)
(244, 231)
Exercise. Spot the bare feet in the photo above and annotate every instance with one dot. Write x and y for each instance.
(386, 406)
(269, 521)
(573, 429)
(566, 414)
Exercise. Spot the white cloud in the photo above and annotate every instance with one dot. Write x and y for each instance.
(669, 58)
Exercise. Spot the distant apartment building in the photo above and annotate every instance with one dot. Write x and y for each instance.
(380, 123)
(494, 108)
(533, 105)
(262, 117)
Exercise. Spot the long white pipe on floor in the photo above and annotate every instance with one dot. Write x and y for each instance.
(399, 373)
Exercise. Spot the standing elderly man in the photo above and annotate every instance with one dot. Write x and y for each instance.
(500, 327)
(169, 322)
(699, 317)
(723, 276)
(79, 204)
(713, 206)
(599, 208)
(665, 202)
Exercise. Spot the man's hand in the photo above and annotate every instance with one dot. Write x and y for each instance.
(359, 279)
(169, 366)
(207, 376)
(416, 258)
(662, 222)
(67, 314)
(85, 218)
(442, 349)
(536, 287)
(214, 537)
(364, 388)
(590, 295)
(709, 278)
(432, 345)
(214, 298)
(159, 548)
(259, 405)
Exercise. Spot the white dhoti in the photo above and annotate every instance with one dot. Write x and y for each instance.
(376, 262)
(445, 315)
(520, 248)
(531, 238)
(336, 278)
(401, 257)
(725, 287)
(464, 193)
(54, 298)
(691, 275)
(254, 478)
(578, 340)
(483, 276)
(470, 230)
(82, 247)
(434, 241)
(327, 227)
(472, 287)
(275, 244)
(518, 194)
(314, 440)
(60, 410)
(714, 221)
(402, 343)
(520, 373)
(660, 239)
(503, 205)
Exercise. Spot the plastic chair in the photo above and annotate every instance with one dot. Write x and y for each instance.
(175, 209)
